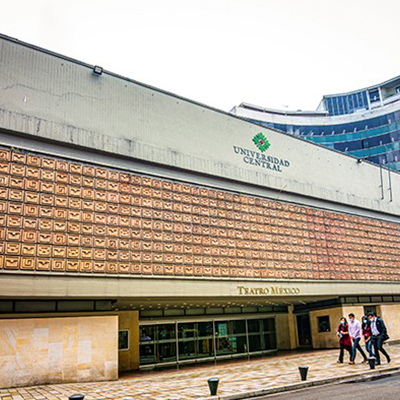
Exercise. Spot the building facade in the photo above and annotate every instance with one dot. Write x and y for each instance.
(363, 123)
(140, 229)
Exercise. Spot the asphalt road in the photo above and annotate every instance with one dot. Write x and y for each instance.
(381, 389)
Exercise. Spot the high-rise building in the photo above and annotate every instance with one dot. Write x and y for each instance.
(363, 123)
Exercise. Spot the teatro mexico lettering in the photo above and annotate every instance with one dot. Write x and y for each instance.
(278, 290)
(134, 246)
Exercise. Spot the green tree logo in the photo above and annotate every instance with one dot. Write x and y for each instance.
(261, 142)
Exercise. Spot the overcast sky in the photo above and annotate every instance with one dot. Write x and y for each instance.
(273, 53)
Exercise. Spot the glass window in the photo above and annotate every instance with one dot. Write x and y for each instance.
(205, 329)
(231, 345)
(166, 331)
(253, 325)
(340, 105)
(324, 324)
(166, 343)
(268, 325)
(187, 349)
(350, 102)
(364, 100)
(147, 348)
(166, 352)
(229, 328)
(147, 333)
(230, 337)
(157, 343)
(205, 339)
(255, 343)
(221, 329)
(195, 340)
(123, 340)
(335, 106)
(269, 341)
(239, 326)
(374, 95)
(357, 100)
(369, 309)
(329, 105)
(161, 343)
(147, 353)
(187, 330)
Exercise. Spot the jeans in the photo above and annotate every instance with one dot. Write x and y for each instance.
(368, 347)
(377, 343)
(356, 346)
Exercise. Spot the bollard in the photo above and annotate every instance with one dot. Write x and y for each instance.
(76, 397)
(213, 385)
(303, 373)
(372, 362)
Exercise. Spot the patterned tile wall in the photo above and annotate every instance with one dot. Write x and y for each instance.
(58, 215)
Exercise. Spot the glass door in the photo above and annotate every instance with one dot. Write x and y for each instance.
(157, 344)
(230, 337)
(195, 340)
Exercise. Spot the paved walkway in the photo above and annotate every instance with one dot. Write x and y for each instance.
(191, 382)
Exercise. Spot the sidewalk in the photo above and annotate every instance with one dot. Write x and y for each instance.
(191, 382)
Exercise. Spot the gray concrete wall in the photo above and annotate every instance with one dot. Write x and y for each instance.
(50, 97)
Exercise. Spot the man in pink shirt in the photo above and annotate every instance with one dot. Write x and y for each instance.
(355, 335)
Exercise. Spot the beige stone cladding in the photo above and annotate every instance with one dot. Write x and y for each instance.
(286, 330)
(391, 315)
(36, 351)
(129, 358)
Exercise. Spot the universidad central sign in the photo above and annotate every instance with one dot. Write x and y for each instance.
(258, 158)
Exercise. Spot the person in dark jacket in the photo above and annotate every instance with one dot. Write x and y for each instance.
(379, 335)
(366, 331)
(344, 341)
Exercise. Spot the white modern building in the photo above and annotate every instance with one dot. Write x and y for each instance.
(364, 123)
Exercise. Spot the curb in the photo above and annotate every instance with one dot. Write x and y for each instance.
(374, 377)
(360, 377)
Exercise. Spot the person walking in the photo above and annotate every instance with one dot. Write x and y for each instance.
(344, 341)
(366, 331)
(355, 335)
(379, 335)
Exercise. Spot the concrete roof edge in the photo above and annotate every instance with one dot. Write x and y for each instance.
(217, 110)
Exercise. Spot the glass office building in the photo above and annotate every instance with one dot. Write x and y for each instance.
(364, 123)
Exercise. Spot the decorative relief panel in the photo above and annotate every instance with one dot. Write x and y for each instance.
(57, 215)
